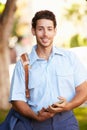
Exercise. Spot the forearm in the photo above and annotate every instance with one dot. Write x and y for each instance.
(24, 109)
(75, 102)
(79, 98)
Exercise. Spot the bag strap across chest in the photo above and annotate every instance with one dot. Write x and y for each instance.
(25, 63)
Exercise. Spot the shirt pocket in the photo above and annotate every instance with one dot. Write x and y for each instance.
(65, 83)
(65, 78)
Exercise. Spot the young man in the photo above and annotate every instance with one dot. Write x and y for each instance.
(54, 75)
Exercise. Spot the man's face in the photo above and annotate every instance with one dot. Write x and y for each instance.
(44, 32)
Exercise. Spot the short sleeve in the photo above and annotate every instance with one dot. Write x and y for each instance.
(80, 71)
(17, 90)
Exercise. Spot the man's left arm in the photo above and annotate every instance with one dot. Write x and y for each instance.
(79, 98)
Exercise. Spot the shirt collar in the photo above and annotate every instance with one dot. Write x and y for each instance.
(58, 51)
(33, 55)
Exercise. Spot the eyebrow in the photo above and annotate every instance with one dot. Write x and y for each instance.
(43, 26)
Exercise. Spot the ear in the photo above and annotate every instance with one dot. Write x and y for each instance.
(33, 31)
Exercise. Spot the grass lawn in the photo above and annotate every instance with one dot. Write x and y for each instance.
(3, 114)
(81, 115)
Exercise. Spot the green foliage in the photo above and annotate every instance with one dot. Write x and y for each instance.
(75, 12)
(81, 115)
(2, 6)
(74, 41)
(14, 29)
(3, 114)
(77, 41)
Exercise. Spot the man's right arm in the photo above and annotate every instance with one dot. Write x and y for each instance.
(24, 109)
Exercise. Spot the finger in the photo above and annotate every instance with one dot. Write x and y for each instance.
(55, 105)
(43, 109)
(53, 109)
(61, 98)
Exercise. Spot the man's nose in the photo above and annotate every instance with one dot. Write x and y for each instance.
(45, 32)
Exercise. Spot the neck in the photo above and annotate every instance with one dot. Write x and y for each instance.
(44, 52)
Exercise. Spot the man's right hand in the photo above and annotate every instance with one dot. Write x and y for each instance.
(24, 109)
(44, 115)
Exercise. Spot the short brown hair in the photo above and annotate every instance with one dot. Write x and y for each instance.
(44, 14)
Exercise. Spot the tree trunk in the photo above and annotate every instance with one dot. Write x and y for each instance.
(4, 77)
(6, 22)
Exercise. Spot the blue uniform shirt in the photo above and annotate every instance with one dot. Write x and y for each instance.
(48, 79)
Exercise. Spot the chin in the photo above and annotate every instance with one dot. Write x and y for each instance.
(46, 44)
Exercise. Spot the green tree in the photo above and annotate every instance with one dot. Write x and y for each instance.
(6, 23)
(78, 40)
(76, 14)
(2, 6)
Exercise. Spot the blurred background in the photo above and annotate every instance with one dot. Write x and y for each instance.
(16, 37)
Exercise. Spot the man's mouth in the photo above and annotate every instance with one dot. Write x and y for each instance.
(45, 40)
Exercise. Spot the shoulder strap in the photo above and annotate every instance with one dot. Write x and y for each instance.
(25, 62)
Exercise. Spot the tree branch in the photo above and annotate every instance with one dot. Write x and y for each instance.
(7, 16)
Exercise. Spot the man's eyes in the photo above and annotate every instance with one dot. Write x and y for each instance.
(49, 29)
(40, 29)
